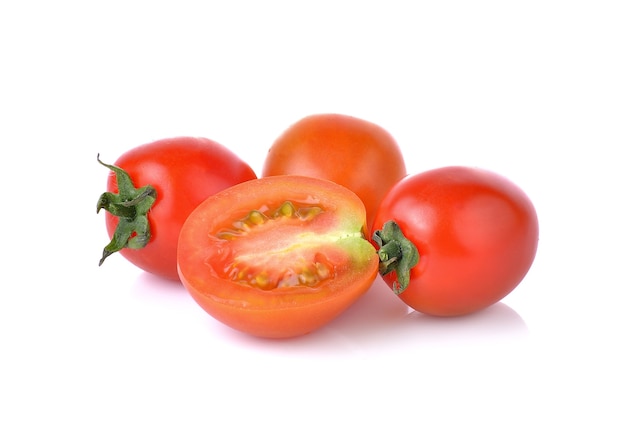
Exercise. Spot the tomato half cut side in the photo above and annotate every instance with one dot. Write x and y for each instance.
(277, 257)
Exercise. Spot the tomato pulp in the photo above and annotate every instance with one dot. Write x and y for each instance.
(277, 257)
(476, 234)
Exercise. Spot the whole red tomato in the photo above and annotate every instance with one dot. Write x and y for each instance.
(470, 238)
(153, 188)
(277, 257)
(352, 152)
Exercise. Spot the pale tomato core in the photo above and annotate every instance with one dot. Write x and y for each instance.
(277, 248)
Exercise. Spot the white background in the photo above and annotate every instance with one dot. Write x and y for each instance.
(534, 90)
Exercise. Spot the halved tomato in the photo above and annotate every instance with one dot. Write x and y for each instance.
(279, 256)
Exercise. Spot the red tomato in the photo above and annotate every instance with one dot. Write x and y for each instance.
(476, 235)
(277, 257)
(352, 152)
(181, 172)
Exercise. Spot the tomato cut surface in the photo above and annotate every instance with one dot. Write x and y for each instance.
(279, 256)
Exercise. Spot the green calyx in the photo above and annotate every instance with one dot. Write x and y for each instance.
(131, 206)
(396, 253)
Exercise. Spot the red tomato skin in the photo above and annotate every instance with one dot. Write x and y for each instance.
(184, 171)
(355, 153)
(476, 232)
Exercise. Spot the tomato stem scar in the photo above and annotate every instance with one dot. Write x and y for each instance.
(396, 253)
(131, 206)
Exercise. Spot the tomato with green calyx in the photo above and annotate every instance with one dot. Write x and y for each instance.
(277, 257)
(355, 153)
(152, 189)
(455, 240)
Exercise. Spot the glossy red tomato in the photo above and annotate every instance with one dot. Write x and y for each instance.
(277, 257)
(352, 152)
(476, 236)
(161, 183)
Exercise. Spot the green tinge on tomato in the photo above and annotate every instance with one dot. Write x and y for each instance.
(279, 256)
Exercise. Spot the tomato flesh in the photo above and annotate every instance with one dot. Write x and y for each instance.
(255, 256)
(277, 257)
